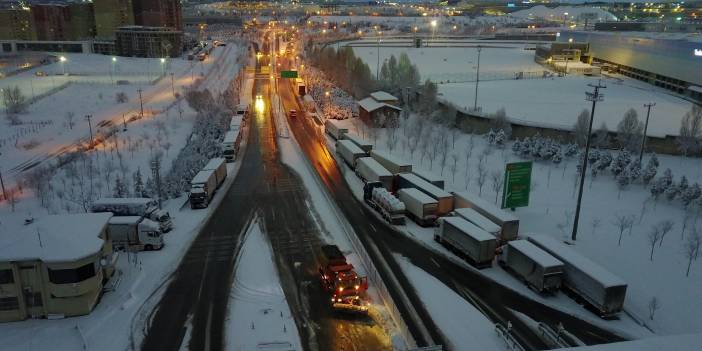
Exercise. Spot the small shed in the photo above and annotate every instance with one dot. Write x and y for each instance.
(378, 104)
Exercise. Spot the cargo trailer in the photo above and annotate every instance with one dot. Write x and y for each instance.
(364, 145)
(536, 267)
(134, 233)
(349, 152)
(419, 206)
(481, 221)
(431, 178)
(134, 206)
(466, 240)
(219, 166)
(506, 220)
(202, 189)
(369, 170)
(390, 162)
(332, 128)
(230, 144)
(444, 199)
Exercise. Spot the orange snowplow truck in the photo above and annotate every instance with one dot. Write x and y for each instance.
(339, 278)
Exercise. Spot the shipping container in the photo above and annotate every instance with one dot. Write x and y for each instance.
(349, 152)
(419, 206)
(481, 221)
(219, 166)
(332, 128)
(506, 220)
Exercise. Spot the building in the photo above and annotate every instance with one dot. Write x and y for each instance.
(110, 15)
(51, 21)
(139, 41)
(17, 24)
(158, 13)
(648, 27)
(55, 266)
(671, 61)
(81, 25)
(380, 107)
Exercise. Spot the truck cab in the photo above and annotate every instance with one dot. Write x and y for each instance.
(340, 279)
(163, 218)
(150, 235)
(198, 197)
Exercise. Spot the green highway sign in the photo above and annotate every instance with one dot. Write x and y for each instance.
(517, 185)
(288, 74)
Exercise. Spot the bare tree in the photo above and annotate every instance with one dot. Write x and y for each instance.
(12, 198)
(622, 222)
(691, 248)
(653, 306)
(690, 131)
(581, 127)
(455, 133)
(391, 137)
(653, 236)
(15, 102)
(443, 149)
(121, 97)
(481, 174)
(666, 226)
(629, 131)
(454, 166)
(496, 180)
(69, 117)
(596, 223)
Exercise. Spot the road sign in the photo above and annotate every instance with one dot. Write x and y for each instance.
(288, 74)
(517, 185)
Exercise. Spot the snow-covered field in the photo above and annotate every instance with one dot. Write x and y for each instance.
(259, 316)
(551, 210)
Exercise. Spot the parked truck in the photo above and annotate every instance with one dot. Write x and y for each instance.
(466, 240)
(383, 201)
(202, 189)
(236, 122)
(479, 220)
(349, 152)
(134, 206)
(419, 206)
(369, 170)
(431, 178)
(602, 290)
(364, 145)
(507, 221)
(340, 280)
(541, 271)
(230, 145)
(390, 162)
(332, 128)
(444, 199)
(134, 233)
(219, 166)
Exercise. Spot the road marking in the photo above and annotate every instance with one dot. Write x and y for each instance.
(434, 261)
(207, 328)
(371, 225)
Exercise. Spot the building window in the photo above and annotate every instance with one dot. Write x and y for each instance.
(6, 276)
(33, 299)
(9, 303)
(67, 276)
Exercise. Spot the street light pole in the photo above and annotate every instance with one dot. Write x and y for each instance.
(643, 139)
(141, 103)
(477, 80)
(595, 96)
(172, 86)
(377, 66)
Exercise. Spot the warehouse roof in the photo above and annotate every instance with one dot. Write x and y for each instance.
(59, 238)
(369, 104)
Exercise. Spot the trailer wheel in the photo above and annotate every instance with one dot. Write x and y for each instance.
(148, 248)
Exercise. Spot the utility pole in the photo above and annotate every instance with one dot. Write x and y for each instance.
(643, 139)
(172, 86)
(477, 80)
(2, 184)
(155, 168)
(594, 96)
(377, 66)
(141, 103)
(90, 127)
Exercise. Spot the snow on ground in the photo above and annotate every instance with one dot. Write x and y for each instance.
(552, 206)
(670, 343)
(556, 102)
(458, 64)
(423, 23)
(259, 316)
(561, 13)
(461, 323)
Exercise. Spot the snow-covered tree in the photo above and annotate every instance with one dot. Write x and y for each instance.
(690, 135)
(634, 170)
(500, 121)
(629, 131)
(691, 249)
(621, 162)
(600, 137)
(500, 138)
(623, 180)
(651, 169)
(690, 194)
(604, 161)
(657, 188)
(581, 127)
(665, 227)
(653, 236)
(138, 184)
(120, 188)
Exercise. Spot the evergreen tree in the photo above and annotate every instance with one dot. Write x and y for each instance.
(651, 169)
(120, 189)
(634, 171)
(691, 194)
(657, 188)
(138, 184)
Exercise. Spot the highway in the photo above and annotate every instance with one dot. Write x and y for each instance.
(496, 301)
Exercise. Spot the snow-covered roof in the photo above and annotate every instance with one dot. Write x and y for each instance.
(382, 96)
(543, 258)
(57, 238)
(202, 177)
(434, 190)
(357, 139)
(214, 163)
(558, 13)
(476, 218)
(377, 168)
(672, 342)
(469, 228)
(369, 104)
(123, 201)
(125, 219)
(418, 195)
(568, 255)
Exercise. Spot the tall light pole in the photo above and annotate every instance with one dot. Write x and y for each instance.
(172, 85)
(163, 66)
(477, 80)
(90, 127)
(141, 103)
(643, 139)
(433, 29)
(62, 59)
(594, 96)
(112, 69)
(377, 66)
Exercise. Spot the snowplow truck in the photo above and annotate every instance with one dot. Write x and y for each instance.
(340, 279)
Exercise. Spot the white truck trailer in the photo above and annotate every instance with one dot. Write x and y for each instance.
(202, 189)
(390, 162)
(481, 221)
(466, 240)
(236, 122)
(134, 206)
(349, 152)
(134, 233)
(369, 170)
(430, 177)
(600, 288)
(219, 166)
(364, 145)
(332, 128)
(419, 206)
(230, 144)
(541, 271)
(445, 199)
(507, 221)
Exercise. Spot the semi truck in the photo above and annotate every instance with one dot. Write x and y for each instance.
(134, 206)
(236, 122)
(349, 152)
(332, 128)
(134, 233)
(466, 240)
(390, 162)
(369, 170)
(541, 271)
(383, 201)
(364, 145)
(507, 221)
(339, 278)
(219, 166)
(479, 220)
(444, 199)
(431, 178)
(419, 206)
(202, 189)
(599, 288)
(230, 145)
